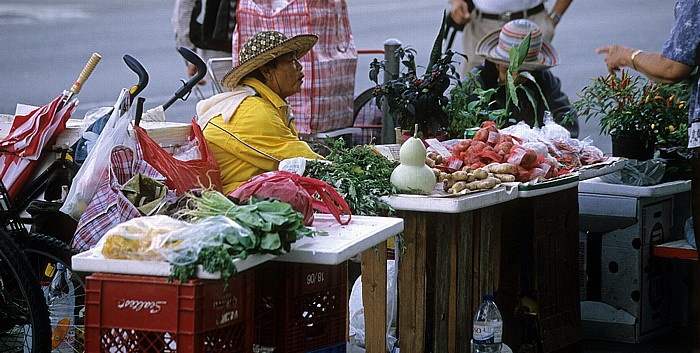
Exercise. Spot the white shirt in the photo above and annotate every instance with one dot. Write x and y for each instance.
(503, 6)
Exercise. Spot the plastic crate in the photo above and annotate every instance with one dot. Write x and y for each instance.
(125, 313)
(338, 348)
(300, 308)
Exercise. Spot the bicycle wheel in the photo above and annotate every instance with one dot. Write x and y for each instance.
(24, 319)
(63, 289)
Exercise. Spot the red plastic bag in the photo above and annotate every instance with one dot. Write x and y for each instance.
(182, 175)
(297, 191)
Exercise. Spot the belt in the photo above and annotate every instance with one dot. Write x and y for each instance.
(507, 16)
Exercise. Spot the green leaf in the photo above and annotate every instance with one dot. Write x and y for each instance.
(436, 52)
(523, 49)
(270, 241)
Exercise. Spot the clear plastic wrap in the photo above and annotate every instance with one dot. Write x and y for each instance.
(163, 238)
(637, 173)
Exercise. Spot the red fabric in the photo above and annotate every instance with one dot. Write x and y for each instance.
(182, 175)
(28, 136)
(326, 99)
(297, 191)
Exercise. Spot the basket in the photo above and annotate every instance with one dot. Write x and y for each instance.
(127, 314)
(300, 308)
(338, 348)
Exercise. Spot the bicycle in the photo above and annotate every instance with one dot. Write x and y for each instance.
(24, 318)
(44, 273)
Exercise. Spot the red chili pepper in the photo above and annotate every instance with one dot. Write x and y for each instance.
(625, 82)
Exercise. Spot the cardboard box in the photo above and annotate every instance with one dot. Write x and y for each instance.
(620, 272)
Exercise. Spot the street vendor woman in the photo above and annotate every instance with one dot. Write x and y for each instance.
(251, 129)
(541, 56)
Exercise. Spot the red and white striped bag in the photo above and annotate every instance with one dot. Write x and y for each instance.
(326, 99)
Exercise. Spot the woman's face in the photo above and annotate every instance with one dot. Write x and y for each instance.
(285, 76)
(503, 73)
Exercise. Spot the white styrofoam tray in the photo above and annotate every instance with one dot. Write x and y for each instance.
(597, 186)
(611, 165)
(548, 186)
(453, 204)
(92, 261)
(342, 241)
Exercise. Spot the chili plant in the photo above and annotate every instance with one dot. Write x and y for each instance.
(633, 105)
(415, 98)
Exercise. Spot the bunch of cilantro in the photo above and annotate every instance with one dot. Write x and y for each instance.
(359, 174)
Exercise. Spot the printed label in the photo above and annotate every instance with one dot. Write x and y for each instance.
(488, 333)
(694, 135)
(438, 147)
(138, 305)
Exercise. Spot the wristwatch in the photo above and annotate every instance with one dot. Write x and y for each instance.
(556, 18)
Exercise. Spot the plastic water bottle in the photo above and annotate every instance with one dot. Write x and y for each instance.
(487, 333)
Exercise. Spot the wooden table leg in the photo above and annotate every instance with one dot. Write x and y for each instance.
(444, 227)
(411, 282)
(695, 303)
(374, 298)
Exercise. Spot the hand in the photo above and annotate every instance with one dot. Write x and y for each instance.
(460, 13)
(191, 70)
(616, 56)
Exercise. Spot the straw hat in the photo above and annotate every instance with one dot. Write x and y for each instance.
(264, 47)
(496, 45)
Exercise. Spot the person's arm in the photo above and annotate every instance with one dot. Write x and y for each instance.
(558, 11)
(459, 12)
(653, 65)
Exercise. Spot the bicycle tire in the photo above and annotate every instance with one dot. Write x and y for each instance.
(67, 298)
(28, 330)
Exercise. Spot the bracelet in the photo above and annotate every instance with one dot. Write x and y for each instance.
(556, 18)
(634, 55)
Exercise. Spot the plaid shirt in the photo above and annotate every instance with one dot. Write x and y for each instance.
(110, 207)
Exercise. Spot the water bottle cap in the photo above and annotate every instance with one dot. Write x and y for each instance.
(488, 297)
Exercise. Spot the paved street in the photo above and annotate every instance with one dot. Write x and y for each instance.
(46, 43)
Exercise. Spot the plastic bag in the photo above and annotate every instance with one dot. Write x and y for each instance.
(110, 206)
(297, 191)
(637, 173)
(93, 123)
(158, 238)
(690, 232)
(357, 312)
(180, 175)
(87, 180)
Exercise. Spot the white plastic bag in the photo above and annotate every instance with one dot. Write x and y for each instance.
(162, 238)
(90, 174)
(357, 311)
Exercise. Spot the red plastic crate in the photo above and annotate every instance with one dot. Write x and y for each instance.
(127, 314)
(300, 307)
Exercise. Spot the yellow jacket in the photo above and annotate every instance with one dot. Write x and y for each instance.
(256, 137)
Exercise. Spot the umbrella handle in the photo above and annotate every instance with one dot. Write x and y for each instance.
(87, 70)
(140, 71)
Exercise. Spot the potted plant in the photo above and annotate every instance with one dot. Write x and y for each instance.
(415, 98)
(641, 117)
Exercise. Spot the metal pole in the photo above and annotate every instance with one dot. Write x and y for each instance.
(391, 63)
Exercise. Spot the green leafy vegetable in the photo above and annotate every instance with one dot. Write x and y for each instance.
(274, 225)
(359, 174)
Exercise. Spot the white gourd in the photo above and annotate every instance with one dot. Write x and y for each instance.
(413, 176)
